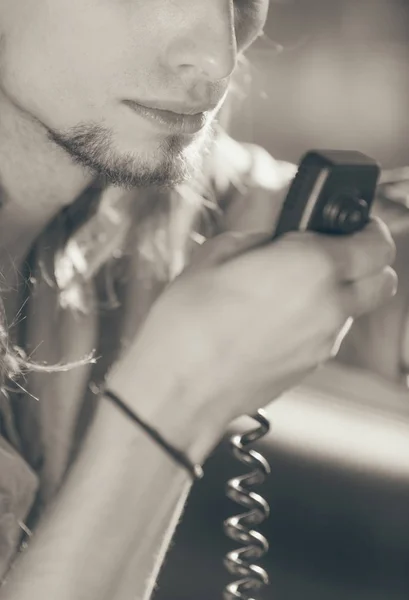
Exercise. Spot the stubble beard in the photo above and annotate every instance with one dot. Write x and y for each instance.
(172, 163)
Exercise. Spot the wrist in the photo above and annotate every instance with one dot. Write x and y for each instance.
(161, 399)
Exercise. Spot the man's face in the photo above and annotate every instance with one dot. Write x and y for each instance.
(82, 68)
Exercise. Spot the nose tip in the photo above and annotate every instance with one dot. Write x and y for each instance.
(206, 49)
(208, 67)
(214, 66)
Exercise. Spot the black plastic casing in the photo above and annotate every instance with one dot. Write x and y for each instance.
(332, 193)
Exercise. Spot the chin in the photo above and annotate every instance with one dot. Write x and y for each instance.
(131, 161)
(166, 161)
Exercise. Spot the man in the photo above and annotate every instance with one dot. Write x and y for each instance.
(126, 92)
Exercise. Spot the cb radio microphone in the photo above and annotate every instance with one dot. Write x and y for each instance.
(331, 193)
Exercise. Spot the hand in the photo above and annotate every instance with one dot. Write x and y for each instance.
(379, 342)
(249, 319)
(394, 185)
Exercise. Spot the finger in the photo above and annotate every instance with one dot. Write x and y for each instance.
(393, 175)
(366, 295)
(398, 192)
(361, 254)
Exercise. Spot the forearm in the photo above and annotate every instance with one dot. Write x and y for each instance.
(138, 579)
(122, 492)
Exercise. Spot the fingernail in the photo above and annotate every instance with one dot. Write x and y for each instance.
(393, 282)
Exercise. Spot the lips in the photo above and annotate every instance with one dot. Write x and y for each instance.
(174, 122)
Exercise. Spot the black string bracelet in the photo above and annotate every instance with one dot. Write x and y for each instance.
(195, 471)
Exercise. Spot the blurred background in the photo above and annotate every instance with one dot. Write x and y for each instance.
(330, 74)
(326, 74)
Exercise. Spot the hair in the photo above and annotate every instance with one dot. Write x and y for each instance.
(14, 362)
(152, 216)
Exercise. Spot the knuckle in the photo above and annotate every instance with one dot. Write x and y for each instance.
(380, 288)
(374, 291)
(314, 258)
(390, 281)
(384, 240)
(353, 261)
(390, 250)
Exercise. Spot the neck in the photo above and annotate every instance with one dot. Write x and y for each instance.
(37, 179)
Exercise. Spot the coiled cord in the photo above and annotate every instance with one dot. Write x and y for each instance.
(240, 527)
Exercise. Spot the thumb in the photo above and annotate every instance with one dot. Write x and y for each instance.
(251, 211)
(257, 204)
(226, 246)
(256, 210)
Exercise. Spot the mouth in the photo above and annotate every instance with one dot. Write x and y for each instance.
(173, 122)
